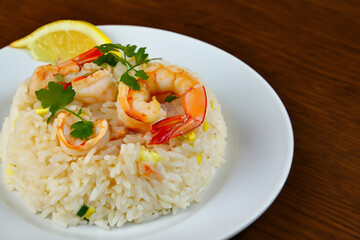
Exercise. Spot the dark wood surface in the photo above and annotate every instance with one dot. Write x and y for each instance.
(309, 52)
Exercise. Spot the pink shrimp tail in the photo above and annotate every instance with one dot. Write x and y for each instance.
(172, 127)
(88, 56)
(194, 102)
(83, 58)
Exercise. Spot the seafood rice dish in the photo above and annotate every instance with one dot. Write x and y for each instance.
(111, 136)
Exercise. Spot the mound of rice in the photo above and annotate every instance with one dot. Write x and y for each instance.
(56, 184)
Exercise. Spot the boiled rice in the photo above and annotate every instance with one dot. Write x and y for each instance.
(56, 184)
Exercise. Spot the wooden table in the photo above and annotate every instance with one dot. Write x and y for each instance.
(309, 52)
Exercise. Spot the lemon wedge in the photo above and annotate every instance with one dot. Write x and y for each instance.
(61, 40)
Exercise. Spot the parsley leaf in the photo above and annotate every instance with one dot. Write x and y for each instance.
(108, 58)
(171, 98)
(129, 51)
(56, 97)
(130, 81)
(107, 47)
(82, 130)
(141, 74)
(141, 56)
(53, 109)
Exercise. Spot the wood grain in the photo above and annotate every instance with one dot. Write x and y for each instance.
(309, 52)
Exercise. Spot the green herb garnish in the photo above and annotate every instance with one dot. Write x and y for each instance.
(56, 97)
(171, 98)
(128, 51)
(59, 77)
(89, 73)
(82, 211)
(82, 129)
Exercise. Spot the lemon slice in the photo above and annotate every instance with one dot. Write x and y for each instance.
(61, 40)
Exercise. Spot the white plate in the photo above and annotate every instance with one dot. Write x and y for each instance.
(259, 151)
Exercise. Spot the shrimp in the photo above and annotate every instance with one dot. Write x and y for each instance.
(130, 115)
(95, 87)
(118, 132)
(45, 73)
(136, 113)
(78, 147)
